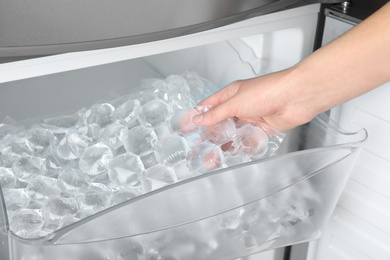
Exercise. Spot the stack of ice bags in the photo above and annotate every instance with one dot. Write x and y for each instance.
(62, 169)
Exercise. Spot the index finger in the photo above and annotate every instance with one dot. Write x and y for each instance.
(221, 95)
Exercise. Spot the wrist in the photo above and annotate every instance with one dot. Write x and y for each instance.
(304, 93)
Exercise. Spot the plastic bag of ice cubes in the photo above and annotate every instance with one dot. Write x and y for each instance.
(68, 167)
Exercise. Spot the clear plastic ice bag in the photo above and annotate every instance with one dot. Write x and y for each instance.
(149, 131)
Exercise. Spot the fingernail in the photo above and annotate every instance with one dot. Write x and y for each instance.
(197, 118)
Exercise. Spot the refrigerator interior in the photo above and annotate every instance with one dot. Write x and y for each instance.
(57, 85)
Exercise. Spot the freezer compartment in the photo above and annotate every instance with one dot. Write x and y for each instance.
(224, 214)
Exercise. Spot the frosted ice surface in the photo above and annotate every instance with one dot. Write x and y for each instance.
(181, 170)
(125, 169)
(232, 160)
(21, 146)
(100, 114)
(181, 121)
(72, 146)
(163, 130)
(91, 201)
(149, 160)
(113, 135)
(29, 165)
(16, 198)
(197, 86)
(127, 112)
(72, 180)
(140, 140)
(171, 149)
(154, 113)
(26, 220)
(59, 207)
(205, 157)
(7, 178)
(41, 188)
(221, 132)
(91, 131)
(124, 194)
(157, 176)
(95, 158)
(41, 138)
(154, 88)
(251, 140)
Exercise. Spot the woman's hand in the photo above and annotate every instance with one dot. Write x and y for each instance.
(268, 99)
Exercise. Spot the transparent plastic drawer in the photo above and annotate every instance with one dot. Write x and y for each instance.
(224, 214)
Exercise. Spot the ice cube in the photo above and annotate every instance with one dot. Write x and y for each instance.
(154, 113)
(41, 188)
(53, 168)
(179, 102)
(113, 135)
(95, 158)
(157, 88)
(163, 130)
(72, 180)
(25, 221)
(7, 158)
(72, 146)
(220, 133)
(181, 170)
(200, 87)
(237, 159)
(16, 198)
(195, 83)
(127, 112)
(100, 114)
(149, 160)
(91, 201)
(140, 140)
(178, 91)
(205, 157)
(193, 139)
(22, 145)
(251, 140)
(91, 131)
(125, 169)
(124, 194)
(181, 121)
(101, 181)
(157, 176)
(171, 149)
(177, 86)
(7, 178)
(7, 128)
(41, 138)
(29, 165)
(58, 208)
